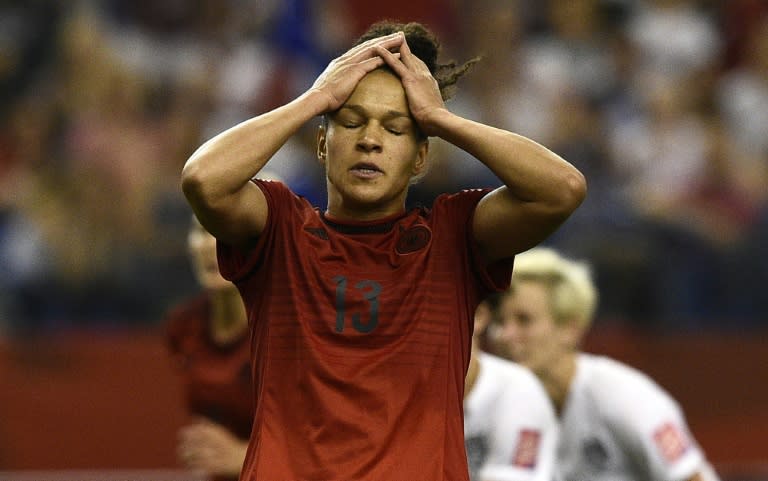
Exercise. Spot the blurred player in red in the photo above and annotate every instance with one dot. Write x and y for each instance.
(616, 424)
(208, 340)
(364, 310)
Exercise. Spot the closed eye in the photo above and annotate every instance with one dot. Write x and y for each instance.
(347, 118)
(398, 126)
(524, 319)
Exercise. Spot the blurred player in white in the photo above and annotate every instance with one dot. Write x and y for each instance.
(510, 429)
(616, 424)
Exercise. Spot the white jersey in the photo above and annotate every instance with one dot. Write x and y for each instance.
(510, 428)
(617, 424)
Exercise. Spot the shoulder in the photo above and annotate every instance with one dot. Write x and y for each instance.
(457, 205)
(519, 405)
(286, 213)
(517, 381)
(466, 197)
(623, 392)
(279, 194)
(605, 374)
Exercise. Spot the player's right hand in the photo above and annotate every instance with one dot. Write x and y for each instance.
(339, 79)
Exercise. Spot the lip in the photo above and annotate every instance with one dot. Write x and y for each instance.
(366, 170)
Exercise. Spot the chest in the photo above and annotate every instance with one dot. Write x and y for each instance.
(590, 448)
(373, 284)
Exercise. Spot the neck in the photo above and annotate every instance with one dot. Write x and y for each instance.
(343, 208)
(360, 213)
(228, 317)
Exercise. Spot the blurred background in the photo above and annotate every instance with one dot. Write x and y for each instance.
(662, 104)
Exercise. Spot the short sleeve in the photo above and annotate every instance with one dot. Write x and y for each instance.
(653, 426)
(526, 420)
(236, 262)
(460, 207)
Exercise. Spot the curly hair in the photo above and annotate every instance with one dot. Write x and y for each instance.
(426, 46)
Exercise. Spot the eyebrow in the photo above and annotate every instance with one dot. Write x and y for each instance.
(390, 114)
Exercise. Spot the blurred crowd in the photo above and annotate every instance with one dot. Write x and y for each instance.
(663, 104)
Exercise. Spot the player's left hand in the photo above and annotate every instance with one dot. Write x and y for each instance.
(421, 88)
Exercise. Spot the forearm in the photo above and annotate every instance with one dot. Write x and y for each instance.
(228, 161)
(530, 171)
(540, 189)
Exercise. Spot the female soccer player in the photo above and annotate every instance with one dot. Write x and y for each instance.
(361, 314)
(510, 429)
(207, 337)
(616, 424)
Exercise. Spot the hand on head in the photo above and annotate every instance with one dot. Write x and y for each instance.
(421, 88)
(342, 75)
(340, 78)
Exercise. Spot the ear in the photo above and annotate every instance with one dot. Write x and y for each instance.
(421, 158)
(572, 333)
(482, 317)
(321, 144)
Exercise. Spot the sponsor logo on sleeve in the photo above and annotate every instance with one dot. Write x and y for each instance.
(527, 451)
(671, 442)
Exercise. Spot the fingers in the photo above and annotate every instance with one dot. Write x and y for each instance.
(403, 60)
(371, 64)
(405, 53)
(341, 76)
(392, 60)
(367, 48)
(391, 39)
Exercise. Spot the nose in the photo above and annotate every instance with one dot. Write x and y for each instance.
(370, 139)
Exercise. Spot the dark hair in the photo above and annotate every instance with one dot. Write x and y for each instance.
(425, 45)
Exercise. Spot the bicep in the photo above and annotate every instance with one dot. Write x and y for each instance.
(504, 225)
(235, 218)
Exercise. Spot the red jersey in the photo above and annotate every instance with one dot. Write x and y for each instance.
(361, 339)
(217, 378)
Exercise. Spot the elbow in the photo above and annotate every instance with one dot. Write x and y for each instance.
(191, 181)
(194, 184)
(573, 191)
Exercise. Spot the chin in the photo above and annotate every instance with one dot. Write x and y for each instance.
(367, 195)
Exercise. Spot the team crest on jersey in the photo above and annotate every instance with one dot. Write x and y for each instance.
(527, 451)
(413, 239)
(595, 453)
(670, 442)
